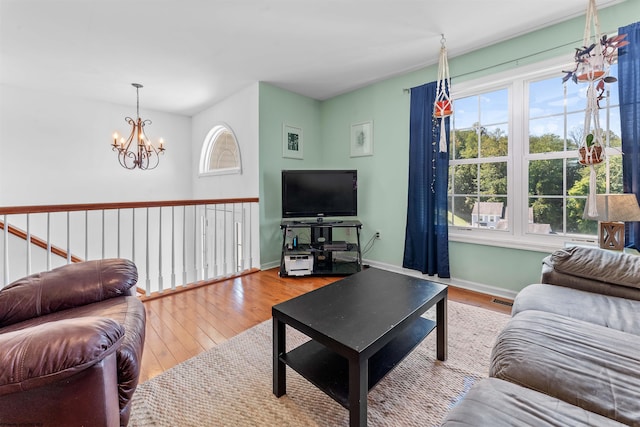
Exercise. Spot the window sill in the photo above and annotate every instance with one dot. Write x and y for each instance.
(527, 242)
(229, 171)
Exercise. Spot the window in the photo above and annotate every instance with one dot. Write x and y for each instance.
(478, 164)
(220, 152)
(514, 176)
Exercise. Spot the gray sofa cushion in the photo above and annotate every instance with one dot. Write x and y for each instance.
(583, 364)
(617, 313)
(496, 403)
(594, 270)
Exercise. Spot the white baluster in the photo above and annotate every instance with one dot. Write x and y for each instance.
(48, 241)
(86, 235)
(184, 245)
(160, 285)
(173, 248)
(147, 267)
(6, 251)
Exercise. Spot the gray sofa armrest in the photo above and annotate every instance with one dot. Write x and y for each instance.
(594, 270)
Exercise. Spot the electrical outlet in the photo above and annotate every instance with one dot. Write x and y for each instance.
(378, 236)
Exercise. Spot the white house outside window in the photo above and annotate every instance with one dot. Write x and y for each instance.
(514, 177)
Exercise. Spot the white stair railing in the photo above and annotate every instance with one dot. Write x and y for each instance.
(173, 243)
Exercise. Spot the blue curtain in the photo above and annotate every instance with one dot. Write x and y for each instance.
(426, 246)
(629, 91)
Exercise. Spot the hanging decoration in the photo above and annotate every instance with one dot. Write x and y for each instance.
(442, 108)
(592, 63)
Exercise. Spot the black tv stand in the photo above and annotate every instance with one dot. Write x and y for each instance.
(320, 248)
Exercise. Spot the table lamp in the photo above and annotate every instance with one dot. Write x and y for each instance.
(613, 211)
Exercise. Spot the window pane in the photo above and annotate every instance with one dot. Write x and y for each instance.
(575, 130)
(615, 131)
(478, 212)
(576, 96)
(465, 112)
(465, 178)
(494, 107)
(466, 144)
(460, 211)
(547, 125)
(577, 178)
(543, 138)
(489, 212)
(493, 178)
(545, 177)
(546, 97)
(545, 215)
(575, 223)
(615, 175)
(494, 141)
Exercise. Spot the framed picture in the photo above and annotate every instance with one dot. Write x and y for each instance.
(362, 139)
(292, 143)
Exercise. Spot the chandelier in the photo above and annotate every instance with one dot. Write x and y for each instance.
(140, 154)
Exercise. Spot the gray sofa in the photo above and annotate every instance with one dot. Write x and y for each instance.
(570, 355)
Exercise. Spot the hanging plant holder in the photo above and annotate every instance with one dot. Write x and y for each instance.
(597, 53)
(590, 153)
(443, 109)
(443, 106)
(592, 63)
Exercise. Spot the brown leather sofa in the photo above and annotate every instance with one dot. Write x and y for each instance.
(570, 355)
(71, 343)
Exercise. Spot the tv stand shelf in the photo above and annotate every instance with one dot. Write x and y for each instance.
(320, 247)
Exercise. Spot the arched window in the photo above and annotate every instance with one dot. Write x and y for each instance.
(220, 152)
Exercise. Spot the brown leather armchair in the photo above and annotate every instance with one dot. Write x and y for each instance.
(71, 343)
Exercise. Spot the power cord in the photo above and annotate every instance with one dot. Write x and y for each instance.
(369, 245)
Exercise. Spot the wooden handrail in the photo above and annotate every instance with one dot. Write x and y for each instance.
(13, 210)
(39, 242)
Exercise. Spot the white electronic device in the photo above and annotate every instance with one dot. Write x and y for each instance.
(298, 265)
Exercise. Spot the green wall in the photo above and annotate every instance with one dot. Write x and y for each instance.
(383, 176)
(279, 107)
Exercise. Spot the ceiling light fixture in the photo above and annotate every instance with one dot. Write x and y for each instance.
(142, 154)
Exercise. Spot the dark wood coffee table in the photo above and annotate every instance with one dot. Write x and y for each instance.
(360, 327)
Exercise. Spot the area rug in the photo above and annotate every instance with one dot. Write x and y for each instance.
(231, 384)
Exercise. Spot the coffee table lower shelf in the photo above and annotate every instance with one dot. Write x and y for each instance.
(329, 371)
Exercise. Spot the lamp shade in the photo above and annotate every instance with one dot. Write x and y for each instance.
(615, 207)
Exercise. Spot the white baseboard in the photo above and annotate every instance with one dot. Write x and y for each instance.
(459, 283)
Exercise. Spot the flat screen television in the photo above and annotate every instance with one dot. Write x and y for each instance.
(319, 193)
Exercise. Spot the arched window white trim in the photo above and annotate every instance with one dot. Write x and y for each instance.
(220, 153)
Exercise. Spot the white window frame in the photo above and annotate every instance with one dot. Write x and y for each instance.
(207, 148)
(516, 81)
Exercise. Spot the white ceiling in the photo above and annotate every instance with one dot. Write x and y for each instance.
(190, 54)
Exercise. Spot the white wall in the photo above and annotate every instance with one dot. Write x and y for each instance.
(55, 150)
(240, 113)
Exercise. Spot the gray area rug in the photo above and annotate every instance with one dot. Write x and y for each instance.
(231, 384)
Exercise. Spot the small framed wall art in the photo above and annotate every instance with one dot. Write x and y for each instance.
(362, 139)
(292, 143)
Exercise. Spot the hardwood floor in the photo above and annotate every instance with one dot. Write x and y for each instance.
(184, 324)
